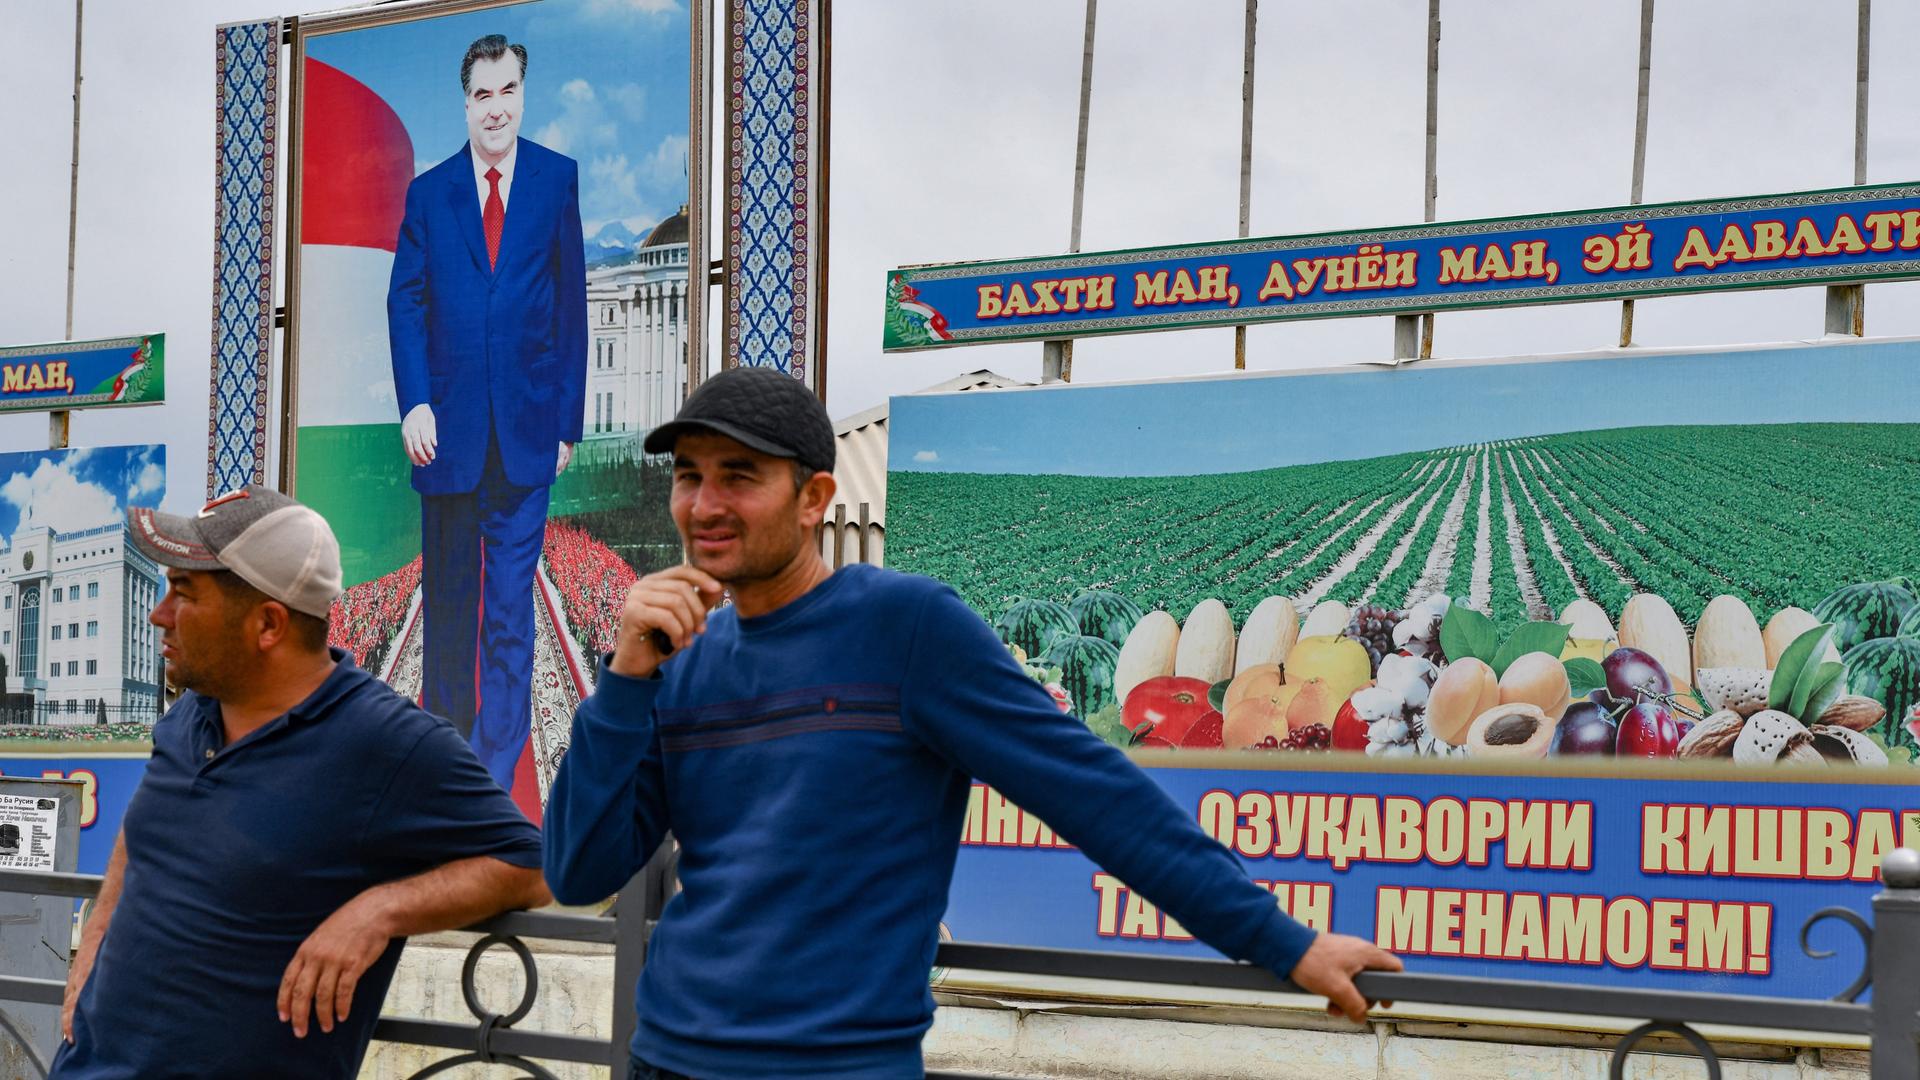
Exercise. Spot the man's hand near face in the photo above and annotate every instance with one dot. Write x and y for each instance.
(675, 602)
(420, 435)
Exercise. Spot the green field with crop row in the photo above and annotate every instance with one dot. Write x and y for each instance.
(1775, 515)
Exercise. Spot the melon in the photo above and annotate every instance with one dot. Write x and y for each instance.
(1268, 635)
(1887, 669)
(1728, 636)
(1871, 609)
(1206, 644)
(1105, 614)
(1147, 654)
(1087, 666)
(1035, 624)
(1329, 619)
(1648, 623)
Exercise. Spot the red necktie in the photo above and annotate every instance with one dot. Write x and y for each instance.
(493, 217)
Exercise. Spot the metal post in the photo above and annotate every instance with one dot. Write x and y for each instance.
(866, 522)
(1056, 364)
(1056, 361)
(635, 913)
(1896, 984)
(839, 535)
(1639, 143)
(57, 425)
(1246, 160)
(1847, 304)
(1408, 342)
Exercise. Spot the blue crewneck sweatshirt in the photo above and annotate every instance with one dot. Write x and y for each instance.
(814, 764)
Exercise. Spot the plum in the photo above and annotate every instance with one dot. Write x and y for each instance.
(1632, 673)
(1585, 728)
(1648, 730)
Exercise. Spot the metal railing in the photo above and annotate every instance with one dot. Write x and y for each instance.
(1891, 1020)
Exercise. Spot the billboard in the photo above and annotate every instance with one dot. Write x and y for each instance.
(490, 271)
(1352, 611)
(1805, 238)
(84, 374)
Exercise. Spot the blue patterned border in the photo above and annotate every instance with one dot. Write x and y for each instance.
(247, 97)
(770, 185)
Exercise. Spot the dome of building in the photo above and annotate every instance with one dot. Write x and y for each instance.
(671, 231)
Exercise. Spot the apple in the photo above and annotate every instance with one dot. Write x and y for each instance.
(1349, 731)
(1166, 705)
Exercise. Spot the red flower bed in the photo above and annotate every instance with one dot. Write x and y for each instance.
(366, 618)
(592, 582)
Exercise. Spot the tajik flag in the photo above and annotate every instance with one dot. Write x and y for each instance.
(355, 165)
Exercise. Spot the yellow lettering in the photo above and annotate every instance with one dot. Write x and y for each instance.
(1401, 266)
(1100, 293)
(1661, 848)
(1769, 239)
(1846, 237)
(1400, 919)
(1573, 929)
(1278, 283)
(1149, 290)
(1213, 283)
(1458, 265)
(1695, 251)
(990, 306)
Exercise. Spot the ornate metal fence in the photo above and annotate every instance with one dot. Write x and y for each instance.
(1891, 1019)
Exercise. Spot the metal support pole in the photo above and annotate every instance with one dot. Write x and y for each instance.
(1847, 304)
(1056, 364)
(1246, 160)
(57, 420)
(1056, 361)
(1410, 343)
(1896, 983)
(1639, 143)
(635, 914)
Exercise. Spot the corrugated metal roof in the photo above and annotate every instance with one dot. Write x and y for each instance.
(860, 465)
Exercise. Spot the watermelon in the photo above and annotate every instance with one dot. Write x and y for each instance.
(1871, 609)
(1105, 614)
(1086, 666)
(1887, 669)
(1910, 626)
(1035, 624)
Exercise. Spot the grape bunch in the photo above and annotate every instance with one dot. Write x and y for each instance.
(1314, 737)
(1372, 625)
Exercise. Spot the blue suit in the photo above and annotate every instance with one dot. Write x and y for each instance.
(500, 354)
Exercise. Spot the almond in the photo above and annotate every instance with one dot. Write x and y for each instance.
(1713, 737)
(1853, 712)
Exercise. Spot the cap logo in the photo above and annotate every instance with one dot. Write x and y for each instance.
(207, 510)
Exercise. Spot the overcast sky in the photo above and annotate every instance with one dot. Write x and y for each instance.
(952, 129)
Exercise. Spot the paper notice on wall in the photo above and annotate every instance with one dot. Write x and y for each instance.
(27, 830)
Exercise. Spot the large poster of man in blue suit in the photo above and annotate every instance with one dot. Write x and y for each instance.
(491, 206)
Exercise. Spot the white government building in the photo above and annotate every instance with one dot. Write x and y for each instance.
(73, 625)
(637, 323)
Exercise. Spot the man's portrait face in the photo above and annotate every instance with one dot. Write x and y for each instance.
(740, 515)
(494, 99)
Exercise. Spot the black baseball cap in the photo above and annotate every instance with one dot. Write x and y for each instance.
(758, 407)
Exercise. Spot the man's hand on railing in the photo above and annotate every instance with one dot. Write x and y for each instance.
(1330, 965)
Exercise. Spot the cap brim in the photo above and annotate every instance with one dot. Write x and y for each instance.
(170, 540)
(662, 439)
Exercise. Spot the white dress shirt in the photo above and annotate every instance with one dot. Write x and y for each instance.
(506, 176)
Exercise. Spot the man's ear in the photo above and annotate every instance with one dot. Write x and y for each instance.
(815, 496)
(275, 623)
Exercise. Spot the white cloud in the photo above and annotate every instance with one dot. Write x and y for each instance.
(631, 98)
(927, 455)
(583, 124)
(611, 179)
(152, 480)
(667, 165)
(54, 497)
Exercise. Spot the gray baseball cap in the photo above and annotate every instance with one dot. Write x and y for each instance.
(277, 545)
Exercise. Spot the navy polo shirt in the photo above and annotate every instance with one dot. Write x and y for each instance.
(236, 853)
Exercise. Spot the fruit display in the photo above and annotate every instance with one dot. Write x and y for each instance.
(1439, 678)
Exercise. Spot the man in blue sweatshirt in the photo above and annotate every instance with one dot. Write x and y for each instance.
(812, 747)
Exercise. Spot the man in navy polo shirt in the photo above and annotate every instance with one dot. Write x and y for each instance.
(297, 821)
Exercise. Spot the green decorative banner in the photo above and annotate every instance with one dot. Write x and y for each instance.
(83, 374)
(1807, 238)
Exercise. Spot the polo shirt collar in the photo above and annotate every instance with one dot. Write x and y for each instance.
(345, 676)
